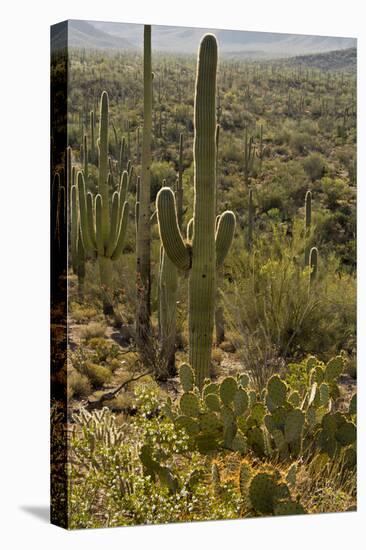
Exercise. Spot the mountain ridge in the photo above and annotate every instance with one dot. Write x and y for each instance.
(185, 40)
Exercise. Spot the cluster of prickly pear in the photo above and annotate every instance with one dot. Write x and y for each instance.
(211, 417)
(209, 245)
(279, 423)
(336, 432)
(331, 430)
(267, 493)
(285, 421)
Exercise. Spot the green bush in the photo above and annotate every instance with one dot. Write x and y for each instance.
(315, 166)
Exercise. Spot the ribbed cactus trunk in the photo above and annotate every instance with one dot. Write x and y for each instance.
(307, 225)
(313, 265)
(92, 138)
(103, 187)
(143, 228)
(202, 281)
(168, 286)
(219, 310)
(179, 191)
(249, 152)
(250, 219)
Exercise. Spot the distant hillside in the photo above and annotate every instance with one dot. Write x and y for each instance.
(185, 40)
(82, 34)
(341, 60)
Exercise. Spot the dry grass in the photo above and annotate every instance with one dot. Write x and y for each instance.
(93, 330)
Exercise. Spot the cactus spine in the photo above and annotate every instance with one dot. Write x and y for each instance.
(307, 225)
(208, 248)
(103, 225)
(143, 227)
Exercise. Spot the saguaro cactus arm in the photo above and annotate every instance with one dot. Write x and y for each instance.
(169, 230)
(103, 187)
(114, 224)
(121, 235)
(84, 225)
(74, 225)
(224, 235)
(90, 219)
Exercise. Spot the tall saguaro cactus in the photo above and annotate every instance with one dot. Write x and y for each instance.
(307, 225)
(249, 153)
(250, 219)
(313, 264)
(103, 221)
(208, 247)
(143, 225)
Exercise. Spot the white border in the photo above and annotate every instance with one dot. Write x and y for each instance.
(24, 270)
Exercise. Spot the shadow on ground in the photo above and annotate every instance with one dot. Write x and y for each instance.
(40, 512)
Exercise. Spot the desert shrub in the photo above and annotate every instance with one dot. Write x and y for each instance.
(83, 312)
(93, 330)
(78, 385)
(315, 166)
(335, 190)
(97, 374)
(273, 313)
(301, 142)
(161, 170)
(104, 350)
(156, 481)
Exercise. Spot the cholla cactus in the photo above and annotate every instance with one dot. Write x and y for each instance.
(208, 247)
(103, 221)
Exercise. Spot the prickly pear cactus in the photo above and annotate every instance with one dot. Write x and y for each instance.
(277, 423)
(270, 495)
